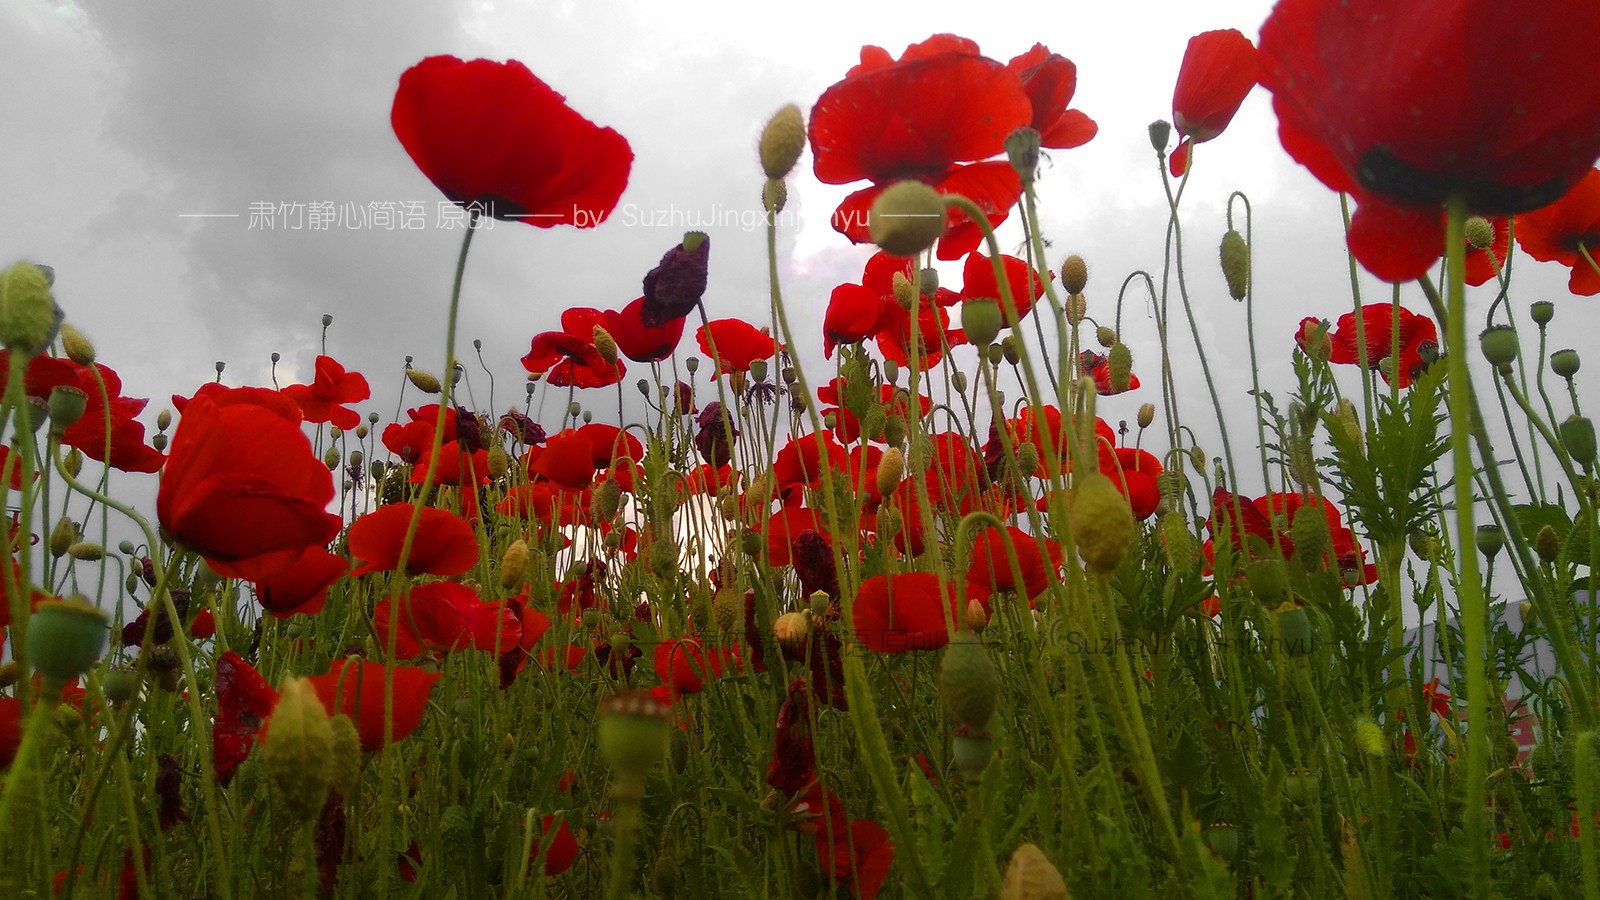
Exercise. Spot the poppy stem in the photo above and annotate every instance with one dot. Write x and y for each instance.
(1469, 585)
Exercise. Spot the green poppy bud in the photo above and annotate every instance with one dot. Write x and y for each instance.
(1235, 255)
(1074, 274)
(29, 316)
(782, 141)
(969, 683)
(1577, 435)
(66, 638)
(981, 319)
(907, 218)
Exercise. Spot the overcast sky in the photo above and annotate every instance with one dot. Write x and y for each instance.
(124, 119)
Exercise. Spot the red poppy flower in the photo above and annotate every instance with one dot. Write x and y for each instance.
(244, 701)
(1405, 105)
(793, 763)
(204, 625)
(991, 567)
(457, 466)
(684, 664)
(738, 344)
(1250, 530)
(355, 688)
(784, 527)
(527, 501)
(609, 443)
(1419, 340)
(1025, 284)
(1098, 367)
(934, 334)
(1345, 555)
(563, 850)
(302, 588)
(128, 451)
(1134, 472)
(493, 134)
(1050, 80)
(11, 731)
(568, 360)
(242, 487)
(897, 613)
(1566, 229)
(442, 616)
(1052, 429)
(1219, 68)
(444, 544)
(324, 399)
(852, 316)
(638, 341)
(939, 105)
(1312, 338)
(566, 460)
(802, 462)
(861, 858)
(411, 440)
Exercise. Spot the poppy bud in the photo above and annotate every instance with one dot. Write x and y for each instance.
(1268, 580)
(750, 542)
(1548, 545)
(969, 684)
(220, 365)
(346, 765)
(1424, 545)
(1074, 274)
(1499, 345)
(1345, 415)
(996, 354)
(1577, 435)
(1542, 312)
(1120, 363)
(692, 364)
(891, 468)
(1294, 629)
(29, 315)
(330, 458)
(605, 345)
(1160, 135)
(1311, 540)
(1235, 255)
(423, 381)
(1010, 350)
(1565, 363)
(1147, 415)
(1178, 541)
(1478, 232)
(121, 685)
(298, 750)
(1077, 308)
(607, 500)
(86, 551)
(975, 616)
(63, 536)
(1302, 786)
(1197, 457)
(514, 565)
(820, 601)
(891, 371)
(159, 442)
(782, 142)
(164, 420)
(65, 638)
(904, 293)
(1022, 150)
(873, 424)
(981, 319)
(1103, 523)
(1106, 335)
(889, 522)
(77, 347)
(894, 431)
(1369, 738)
(774, 195)
(792, 631)
(633, 733)
(1490, 539)
(1031, 876)
(907, 218)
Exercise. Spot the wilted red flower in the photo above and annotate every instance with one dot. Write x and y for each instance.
(302, 588)
(793, 764)
(1025, 284)
(1218, 70)
(941, 104)
(494, 135)
(1440, 107)
(324, 399)
(737, 344)
(638, 341)
(784, 527)
(1565, 232)
(1419, 340)
(896, 613)
(444, 543)
(242, 487)
(244, 701)
(355, 687)
(1050, 80)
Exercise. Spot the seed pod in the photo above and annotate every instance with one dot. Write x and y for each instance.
(1565, 363)
(1548, 545)
(66, 638)
(792, 631)
(633, 735)
(1499, 346)
(1577, 435)
(1542, 312)
(1106, 335)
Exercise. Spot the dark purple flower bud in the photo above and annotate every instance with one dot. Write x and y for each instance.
(673, 289)
(169, 784)
(684, 399)
(714, 439)
(813, 562)
(469, 431)
(522, 428)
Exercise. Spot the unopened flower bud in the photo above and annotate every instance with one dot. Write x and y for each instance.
(86, 551)
(1577, 436)
(1103, 523)
(1478, 232)
(1548, 545)
(514, 565)
(1235, 255)
(605, 345)
(1074, 274)
(425, 382)
(607, 499)
(29, 315)
(1369, 738)
(975, 616)
(77, 347)
(1120, 364)
(298, 750)
(782, 141)
(907, 218)
(1010, 350)
(330, 458)
(969, 683)
(792, 631)
(980, 317)
(1106, 335)
(63, 536)
(1147, 415)
(891, 468)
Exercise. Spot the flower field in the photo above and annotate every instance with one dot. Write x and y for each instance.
(946, 600)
